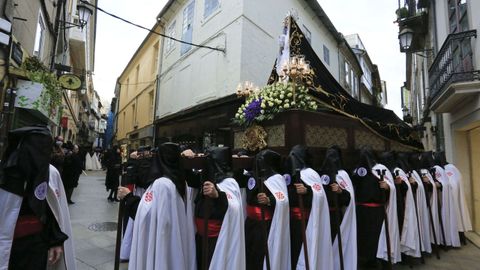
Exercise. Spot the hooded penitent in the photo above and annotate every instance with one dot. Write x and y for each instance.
(410, 237)
(219, 165)
(455, 178)
(163, 222)
(227, 211)
(25, 165)
(168, 159)
(278, 240)
(449, 205)
(333, 168)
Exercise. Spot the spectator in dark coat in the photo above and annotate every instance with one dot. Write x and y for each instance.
(113, 162)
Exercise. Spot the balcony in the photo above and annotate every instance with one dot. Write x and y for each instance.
(452, 77)
(78, 46)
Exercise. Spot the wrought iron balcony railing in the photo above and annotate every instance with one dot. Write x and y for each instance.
(453, 63)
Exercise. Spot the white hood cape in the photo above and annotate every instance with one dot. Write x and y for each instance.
(391, 208)
(423, 217)
(57, 202)
(161, 237)
(320, 254)
(434, 208)
(449, 215)
(348, 228)
(279, 235)
(230, 248)
(409, 241)
(459, 203)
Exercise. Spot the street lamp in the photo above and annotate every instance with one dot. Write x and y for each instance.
(84, 13)
(405, 36)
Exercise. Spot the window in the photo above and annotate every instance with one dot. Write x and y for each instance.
(347, 75)
(137, 73)
(210, 7)
(170, 42)
(326, 55)
(457, 16)
(39, 36)
(134, 116)
(187, 27)
(307, 33)
(155, 58)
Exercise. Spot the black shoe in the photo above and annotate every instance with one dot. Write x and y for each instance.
(110, 199)
(70, 202)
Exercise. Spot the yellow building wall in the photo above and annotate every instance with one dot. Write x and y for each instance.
(137, 88)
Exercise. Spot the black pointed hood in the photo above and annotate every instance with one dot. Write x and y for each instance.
(366, 158)
(415, 162)
(219, 163)
(297, 159)
(440, 159)
(403, 163)
(25, 166)
(388, 159)
(168, 158)
(426, 160)
(268, 163)
(332, 162)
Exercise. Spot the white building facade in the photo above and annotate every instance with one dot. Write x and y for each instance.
(247, 32)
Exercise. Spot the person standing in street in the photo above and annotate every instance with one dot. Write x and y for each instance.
(69, 172)
(113, 162)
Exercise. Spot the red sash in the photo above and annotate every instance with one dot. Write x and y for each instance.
(255, 212)
(370, 204)
(296, 213)
(214, 227)
(27, 225)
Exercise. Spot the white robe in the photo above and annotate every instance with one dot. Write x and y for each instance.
(434, 209)
(382, 251)
(88, 162)
(229, 250)
(348, 228)
(460, 205)
(161, 237)
(409, 241)
(320, 254)
(57, 202)
(423, 215)
(279, 234)
(449, 215)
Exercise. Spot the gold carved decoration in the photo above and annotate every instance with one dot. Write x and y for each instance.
(318, 136)
(254, 138)
(276, 135)
(364, 138)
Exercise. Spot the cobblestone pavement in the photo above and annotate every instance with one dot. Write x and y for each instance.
(95, 249)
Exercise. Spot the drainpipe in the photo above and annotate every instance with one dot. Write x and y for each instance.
(55, 32)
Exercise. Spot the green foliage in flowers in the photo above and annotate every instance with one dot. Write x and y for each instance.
(51, 97)
(271, 100)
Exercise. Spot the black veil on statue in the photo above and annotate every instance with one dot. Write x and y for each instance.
(25, 165)
(219, 165)
(415, 162)
(403, 162)
(168, 159)
(268, 163)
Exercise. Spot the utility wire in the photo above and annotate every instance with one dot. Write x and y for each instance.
(150, 30)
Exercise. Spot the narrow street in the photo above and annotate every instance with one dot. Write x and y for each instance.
(94, 224)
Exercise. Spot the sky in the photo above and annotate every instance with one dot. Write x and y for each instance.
(371, 19)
